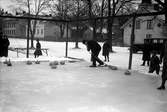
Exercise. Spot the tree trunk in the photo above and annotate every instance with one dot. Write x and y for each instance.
(109, 28)
(76, 43)
(94, 30)
(61, 31)
(91, 21)
(166, 11)
(33, 30)
(101, 21)
(110, 35)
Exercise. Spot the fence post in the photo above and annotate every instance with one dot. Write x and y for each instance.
(28, 37)
(66, 53)
(132, 41)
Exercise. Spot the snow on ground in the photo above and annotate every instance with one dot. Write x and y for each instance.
(57, 52)
(75, 87)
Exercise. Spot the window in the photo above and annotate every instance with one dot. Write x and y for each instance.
(148, 36)
(37, 31)
(149, 24)
(138, 24)
(41, 31)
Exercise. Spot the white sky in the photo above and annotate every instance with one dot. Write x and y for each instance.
(5, 4)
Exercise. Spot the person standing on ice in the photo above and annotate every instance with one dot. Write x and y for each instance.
(146, 53)
(1, 44)
(106, 50)
(38, 51)
(154, 63)
(5, 44)
(95, 48)
(164, 69)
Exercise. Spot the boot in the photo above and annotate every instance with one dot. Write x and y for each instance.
(161, 88)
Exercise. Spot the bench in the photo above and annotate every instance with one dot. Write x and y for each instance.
(45, 50)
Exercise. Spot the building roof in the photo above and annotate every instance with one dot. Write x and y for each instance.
(143, 9)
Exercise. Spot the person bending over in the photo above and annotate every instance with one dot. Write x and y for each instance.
(95, 48)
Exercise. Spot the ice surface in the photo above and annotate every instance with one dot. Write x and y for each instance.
(75, 87)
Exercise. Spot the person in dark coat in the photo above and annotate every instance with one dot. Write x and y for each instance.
(95, 48)
(1, 44)
(154, 63)
(106, 50)
(163, 57)
(146, 54)
(38, 51)
(5, 44)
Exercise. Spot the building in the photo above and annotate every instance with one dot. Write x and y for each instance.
(145, 27)
(14, 28)
(45, 30)
(39, 30)
(52, 32)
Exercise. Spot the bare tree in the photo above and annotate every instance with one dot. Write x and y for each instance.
(77, 11)
(60, 9)
(34, 8)
(163, 5)
(113, 10)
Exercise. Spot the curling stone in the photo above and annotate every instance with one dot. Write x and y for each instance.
(9, 63)
(37, 62)
(29, 62)
(62, 62)
(127, 72)
(112, 67)
(53, 66)
(53, 63)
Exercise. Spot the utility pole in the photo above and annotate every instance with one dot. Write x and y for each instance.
(28, 37)
(28, 29)
(110, 23)
(66, 53)
(1, 20)
(132, 41)
(76, 43)
(166, 12)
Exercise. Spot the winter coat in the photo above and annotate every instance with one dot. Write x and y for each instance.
(1, 46)
(154, 62)
(146, 52)
(5, 45)
(164, 56)
(38, 49)
(106, 49)
(94, 47)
